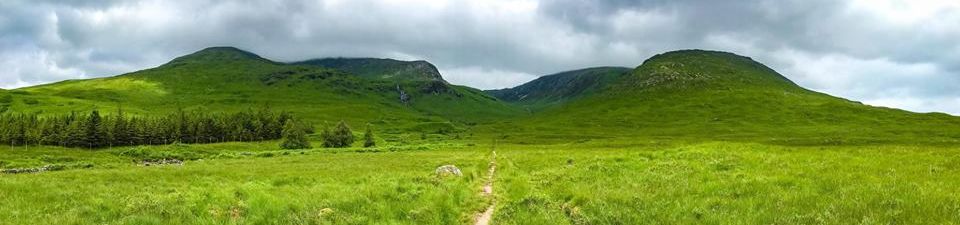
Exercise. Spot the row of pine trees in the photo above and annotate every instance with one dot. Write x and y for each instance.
(94, 130)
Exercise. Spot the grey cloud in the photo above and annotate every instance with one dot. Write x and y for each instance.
(865, 52)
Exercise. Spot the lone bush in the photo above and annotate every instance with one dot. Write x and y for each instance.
(294, 136)
(339, 137)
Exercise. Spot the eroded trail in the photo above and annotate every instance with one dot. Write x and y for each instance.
(486, 216)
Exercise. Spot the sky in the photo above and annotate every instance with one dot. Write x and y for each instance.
(895, 53)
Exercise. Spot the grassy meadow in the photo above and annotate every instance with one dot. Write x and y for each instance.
(228, 186)
(728, 183)
(616, 181)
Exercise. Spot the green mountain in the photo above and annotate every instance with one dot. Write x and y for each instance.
(230, 79)
(218, 54)
(387, 69)
(717, 95)
(690, 94)
(560, 87)
(421, 82)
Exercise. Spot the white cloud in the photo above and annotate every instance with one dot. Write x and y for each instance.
(919, 87)
(489, 78)
(26, 62)
(949, 105)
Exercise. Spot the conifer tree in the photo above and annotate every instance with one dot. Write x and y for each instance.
(368, 140)
(121, 133)
(93, 131)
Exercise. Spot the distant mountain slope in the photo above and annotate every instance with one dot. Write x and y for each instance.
(690, 94)
(387, 69)
(6, 99)
(718, 95)
(560, 87)
(230, 79)
(699, 69)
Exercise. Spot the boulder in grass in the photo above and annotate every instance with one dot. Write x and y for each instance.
(448, 170)
(324, 212)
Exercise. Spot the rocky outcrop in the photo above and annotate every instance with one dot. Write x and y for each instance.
(33, 170)
(160, 162)
(385, 69)
(404, 97)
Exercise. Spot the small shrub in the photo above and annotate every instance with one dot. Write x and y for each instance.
(339, 137)
(368, 140)
(294, 136)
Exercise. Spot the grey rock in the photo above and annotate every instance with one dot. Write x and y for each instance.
(448, 170)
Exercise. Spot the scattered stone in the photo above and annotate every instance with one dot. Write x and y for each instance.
(448, 170)
(33, 170)
(160, 162)
(22, 170)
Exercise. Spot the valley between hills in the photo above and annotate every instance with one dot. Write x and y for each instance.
(224, 136)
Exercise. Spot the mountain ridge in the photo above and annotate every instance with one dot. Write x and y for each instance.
(723, 96)
(556, 88)
(689, 93)
(217, 54)
(226, 79)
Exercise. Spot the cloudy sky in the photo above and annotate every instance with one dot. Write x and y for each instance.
(897, 53)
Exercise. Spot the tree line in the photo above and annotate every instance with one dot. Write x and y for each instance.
(93, 130)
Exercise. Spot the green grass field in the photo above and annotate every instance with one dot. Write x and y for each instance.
(591, 182)
(728, 183)
(283, 187)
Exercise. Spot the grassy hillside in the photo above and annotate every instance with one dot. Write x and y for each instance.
(561, 87)
(717, 95)
(387, 69)
(422, 82)
(229, 79)
(6, 99)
